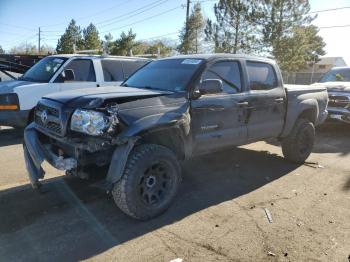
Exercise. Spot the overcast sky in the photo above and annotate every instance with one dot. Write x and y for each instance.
(20, 20)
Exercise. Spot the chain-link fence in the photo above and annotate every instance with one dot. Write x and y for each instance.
(301, 78)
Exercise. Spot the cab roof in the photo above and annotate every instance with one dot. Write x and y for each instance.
(100, 56)
(209, 57)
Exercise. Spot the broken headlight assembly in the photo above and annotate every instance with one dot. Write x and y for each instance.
(90, 122)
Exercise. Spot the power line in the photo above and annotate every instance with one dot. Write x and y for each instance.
(331, 9)
(11, 33)
(159, 36)
(91, 15)
(127, 15)
(145, 19)
(17, 26)
(23, 40)
(124, 16)
(333, 26)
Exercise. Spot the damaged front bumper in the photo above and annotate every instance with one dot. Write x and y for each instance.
(75, 155)
(35, 153)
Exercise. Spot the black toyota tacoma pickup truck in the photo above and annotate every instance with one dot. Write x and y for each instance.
(165, 113)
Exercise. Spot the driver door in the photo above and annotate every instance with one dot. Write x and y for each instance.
(218, 119)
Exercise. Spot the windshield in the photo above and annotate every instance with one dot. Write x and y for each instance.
(337, 75)
(44, 69)
(170, 74)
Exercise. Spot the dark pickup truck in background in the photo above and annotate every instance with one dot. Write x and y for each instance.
(337, 82)
(165, 113)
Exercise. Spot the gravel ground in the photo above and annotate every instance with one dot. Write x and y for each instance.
(219, 214)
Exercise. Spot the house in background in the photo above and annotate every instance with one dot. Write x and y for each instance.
(324, 65)
(313, 72)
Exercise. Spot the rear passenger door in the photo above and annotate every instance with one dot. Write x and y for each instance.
(84, 75)
(266, 101)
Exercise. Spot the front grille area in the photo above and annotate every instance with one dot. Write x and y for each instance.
(51, 110)
(339, 101)
(48, 117)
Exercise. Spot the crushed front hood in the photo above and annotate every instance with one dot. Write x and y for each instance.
(118, 94)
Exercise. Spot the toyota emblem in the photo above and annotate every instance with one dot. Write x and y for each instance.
(44, 117)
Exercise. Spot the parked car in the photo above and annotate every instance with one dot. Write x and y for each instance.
(169, 111)
(337, 82)
(60, 73)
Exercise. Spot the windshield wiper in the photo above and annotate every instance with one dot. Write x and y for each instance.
(154, 88)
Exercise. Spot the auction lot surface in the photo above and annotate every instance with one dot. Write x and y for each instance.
(218, 215)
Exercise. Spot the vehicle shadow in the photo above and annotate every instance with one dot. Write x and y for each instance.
(10, 136)
(73, 219)
(331, 137)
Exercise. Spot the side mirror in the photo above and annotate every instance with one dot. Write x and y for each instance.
(211, 86)
(68, 75)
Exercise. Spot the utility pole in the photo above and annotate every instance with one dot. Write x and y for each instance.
(187, 16)
(39, 38)
(187, 13)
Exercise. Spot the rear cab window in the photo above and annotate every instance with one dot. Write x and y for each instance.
(112, 70)
(118, 70)
(130, 66)
(262, 76)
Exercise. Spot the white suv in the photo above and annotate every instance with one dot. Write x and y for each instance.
(60, 73)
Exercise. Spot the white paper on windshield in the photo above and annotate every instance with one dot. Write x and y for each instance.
(58, 61)
(191, 61)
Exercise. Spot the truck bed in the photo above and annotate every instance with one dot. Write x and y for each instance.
(303, 88)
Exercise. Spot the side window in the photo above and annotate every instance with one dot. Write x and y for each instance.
(83, 70)
(130, 67)
(228, 72)
(112, 70)
(262, 76)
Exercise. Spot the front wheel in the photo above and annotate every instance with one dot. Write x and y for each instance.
(297, 146)
(149, 183)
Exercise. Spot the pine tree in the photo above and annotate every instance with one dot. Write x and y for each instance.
(279, 19)
(288, 35)
(303, 46)
(91, 38)
(71, 37)
(234, 30)
(124, 45)
(192, 34)
(2, 51)
(163, 47)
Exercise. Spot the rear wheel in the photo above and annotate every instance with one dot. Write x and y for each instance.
(150, 182)
(297, 146)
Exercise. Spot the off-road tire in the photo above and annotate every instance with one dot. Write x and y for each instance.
(131, 192)
(297, 146)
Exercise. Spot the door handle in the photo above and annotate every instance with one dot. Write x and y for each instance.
(216, 108)
(279, 100)
(212, 108)
(243, 103)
